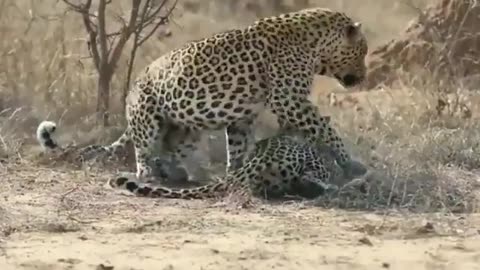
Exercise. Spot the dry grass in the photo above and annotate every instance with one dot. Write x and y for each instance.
(426, 161)
(46, 71)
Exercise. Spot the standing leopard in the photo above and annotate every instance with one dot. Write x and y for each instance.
(276, 166)
(226, 80)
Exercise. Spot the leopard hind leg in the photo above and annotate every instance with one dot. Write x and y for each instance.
(148, 133)
(181, 144)
(240, 140)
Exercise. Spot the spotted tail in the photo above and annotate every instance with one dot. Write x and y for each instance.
(152, 191)
(91, 151)
(46, 131)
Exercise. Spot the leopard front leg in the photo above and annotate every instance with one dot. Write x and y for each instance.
(288, 100)
(240, 139)
(315, 128)
(143, 152)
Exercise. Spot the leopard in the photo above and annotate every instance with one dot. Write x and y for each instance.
(224, 81)
(278, 166)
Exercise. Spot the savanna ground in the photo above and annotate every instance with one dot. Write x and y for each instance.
(55, 217)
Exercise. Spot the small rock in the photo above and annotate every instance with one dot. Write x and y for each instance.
(365, 241)
(104, 267)
(427, 228)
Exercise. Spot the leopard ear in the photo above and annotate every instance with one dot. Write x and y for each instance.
(353, 31)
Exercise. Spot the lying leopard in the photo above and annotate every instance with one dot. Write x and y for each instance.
(277, 166)
(226, 80)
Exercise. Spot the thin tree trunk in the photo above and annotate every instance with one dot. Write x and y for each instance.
(103, 100)
(123, 98)
(126, 86)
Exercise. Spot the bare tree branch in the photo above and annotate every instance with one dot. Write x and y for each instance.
(77, 8)
(126, 32)
(106, 47)
(156, 12)
(140, 25)
(84, 10)
(161, 22)
(147, 12)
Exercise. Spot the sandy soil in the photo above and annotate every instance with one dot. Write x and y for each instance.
(56, 219)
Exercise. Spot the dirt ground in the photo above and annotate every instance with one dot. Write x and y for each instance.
(51, 218)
